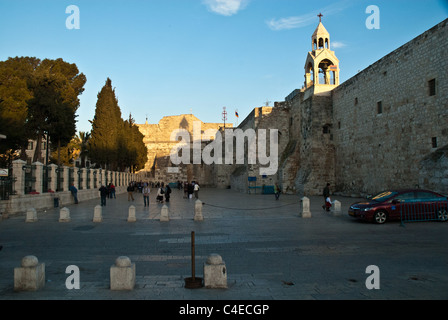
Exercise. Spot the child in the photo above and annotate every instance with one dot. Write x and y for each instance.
(327, 204)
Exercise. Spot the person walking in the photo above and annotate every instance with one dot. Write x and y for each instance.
(276, 191)
(103, 194)
(130, 190)
(326, 194)
(160, 193)
(190, 190)
(74, 192)
(167, 193)
(112, 191)
(196, 190)
(146, 192)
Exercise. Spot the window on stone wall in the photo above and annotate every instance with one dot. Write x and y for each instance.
(356, 101)
(432, 87)
(434, 142)
(379, 107)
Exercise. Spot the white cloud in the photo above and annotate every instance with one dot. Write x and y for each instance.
(338, 44)
(306, 19)
(291, 22)
(225, 7)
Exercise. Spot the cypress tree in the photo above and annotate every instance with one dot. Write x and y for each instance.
(106, 129)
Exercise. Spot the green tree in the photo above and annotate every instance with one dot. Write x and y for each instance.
(56, 86)
(136, 151)
(106, 129)
(36, 98)
(15, 74)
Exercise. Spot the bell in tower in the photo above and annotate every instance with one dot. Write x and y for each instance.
(321, 66)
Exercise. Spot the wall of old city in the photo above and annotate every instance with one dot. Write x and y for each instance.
(308, 159)
(157, 138)
(389, 129)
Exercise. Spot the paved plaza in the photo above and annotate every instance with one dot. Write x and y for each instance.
(270, 252)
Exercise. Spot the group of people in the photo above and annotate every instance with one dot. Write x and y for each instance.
(163, 192)
(107, 192)
(190, 189)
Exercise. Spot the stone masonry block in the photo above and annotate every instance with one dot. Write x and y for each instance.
(198, 211)
(64, 215)
(31, 215)
(98, 214)
(131, 214)
(164, 214)
(215, 272)
(30, 276)
(122, 274)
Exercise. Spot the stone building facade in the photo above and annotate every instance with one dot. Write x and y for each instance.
(386, 127)
(158, 140)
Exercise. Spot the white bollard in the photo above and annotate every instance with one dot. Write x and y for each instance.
(306, 213)
(98, 214)
(30, 276)
(131, 215)
(164, 214)
(64, 215)
(122, 274)
(198, 211)
(31, 215)
(336, 208)
(215, 272)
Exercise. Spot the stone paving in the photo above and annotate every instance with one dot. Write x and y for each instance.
(270, 252)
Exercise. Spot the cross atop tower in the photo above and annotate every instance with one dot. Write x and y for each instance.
(320, 15)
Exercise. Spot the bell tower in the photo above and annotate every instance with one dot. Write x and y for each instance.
(321, 66)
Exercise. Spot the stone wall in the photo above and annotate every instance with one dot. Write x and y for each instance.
(308, 161)
(157, 138)
(380, 149)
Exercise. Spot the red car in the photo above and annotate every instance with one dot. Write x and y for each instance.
(405, 205)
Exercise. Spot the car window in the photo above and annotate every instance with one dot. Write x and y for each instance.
(405, 196)
(429, 196)
(383, 196)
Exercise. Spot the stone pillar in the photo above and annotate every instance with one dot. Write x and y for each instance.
(103, 178)
(215, 273)
(53, 183)
(98, 214)
(64, 215)
(122, 274)
(66, 180)
(31, 215)
(198, 211)
(19, 175)
(38, 177)
(92, 179)
(164, 214)
(131, 215)
(83, 176)
(305, 213)
(30, 276)
(336, 208)
(76, 177)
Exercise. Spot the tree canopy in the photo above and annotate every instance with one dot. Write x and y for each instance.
(114, 144)
(38, 97)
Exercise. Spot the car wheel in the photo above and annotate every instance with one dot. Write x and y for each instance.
(442, 214)
(380, 217)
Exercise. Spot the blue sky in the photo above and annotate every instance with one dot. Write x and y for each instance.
(167, 57)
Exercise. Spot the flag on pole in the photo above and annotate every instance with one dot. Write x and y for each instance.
(236, 114)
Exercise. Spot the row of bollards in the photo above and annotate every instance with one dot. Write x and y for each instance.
(305, 211)
(64, 214)
(30, 276)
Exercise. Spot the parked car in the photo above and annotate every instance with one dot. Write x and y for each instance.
(409, 205)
